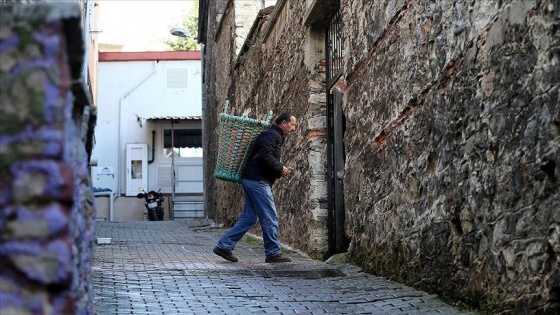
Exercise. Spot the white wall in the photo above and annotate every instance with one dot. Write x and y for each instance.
(129, 91)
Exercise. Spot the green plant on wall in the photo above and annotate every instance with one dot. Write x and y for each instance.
(189, 22)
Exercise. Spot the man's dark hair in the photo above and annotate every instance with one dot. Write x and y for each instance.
(285, 116)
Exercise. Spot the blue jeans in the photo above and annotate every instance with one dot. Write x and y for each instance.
(259, 206)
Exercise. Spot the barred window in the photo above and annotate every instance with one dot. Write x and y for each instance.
(334, 47)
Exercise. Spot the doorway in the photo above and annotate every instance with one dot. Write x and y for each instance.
(338, 242)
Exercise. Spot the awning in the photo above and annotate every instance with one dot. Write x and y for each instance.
(162, 118)
(183, 138)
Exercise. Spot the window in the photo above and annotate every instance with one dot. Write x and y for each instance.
(185, 143)
(334, 47)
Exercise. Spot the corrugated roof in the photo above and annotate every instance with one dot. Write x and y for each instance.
(174, 118)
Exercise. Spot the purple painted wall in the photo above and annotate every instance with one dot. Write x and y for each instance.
(46, 221)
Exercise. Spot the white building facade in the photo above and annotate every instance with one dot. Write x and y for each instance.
(149, 129)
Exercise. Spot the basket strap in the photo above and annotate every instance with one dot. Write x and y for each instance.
(246, 112)
(226, 105)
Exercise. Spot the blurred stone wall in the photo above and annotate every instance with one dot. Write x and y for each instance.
(452, 139)
(46, 135)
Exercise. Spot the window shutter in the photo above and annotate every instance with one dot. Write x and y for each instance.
(177, 78)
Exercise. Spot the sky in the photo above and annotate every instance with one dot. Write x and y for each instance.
(140, 25)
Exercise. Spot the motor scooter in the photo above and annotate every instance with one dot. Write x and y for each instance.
(153, 201)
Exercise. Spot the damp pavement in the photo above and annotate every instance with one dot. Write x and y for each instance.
(168, 267)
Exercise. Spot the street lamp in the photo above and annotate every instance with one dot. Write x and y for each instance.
(180, 31)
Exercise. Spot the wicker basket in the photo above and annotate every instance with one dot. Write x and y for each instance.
(237, 135)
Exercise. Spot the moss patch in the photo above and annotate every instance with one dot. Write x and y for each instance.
(251, 240)
(393, 265)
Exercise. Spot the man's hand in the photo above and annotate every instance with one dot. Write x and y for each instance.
(286, 171)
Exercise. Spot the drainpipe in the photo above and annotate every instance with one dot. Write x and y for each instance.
(121, 141)
(153, 147)
(87, 41)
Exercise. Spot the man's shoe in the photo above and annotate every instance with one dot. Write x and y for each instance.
(225, 254)
(277, 258)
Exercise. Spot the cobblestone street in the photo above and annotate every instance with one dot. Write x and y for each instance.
(168, 268)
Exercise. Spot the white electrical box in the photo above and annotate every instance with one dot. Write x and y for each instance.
(136, 168)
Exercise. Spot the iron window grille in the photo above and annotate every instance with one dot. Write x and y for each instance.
(334, 47)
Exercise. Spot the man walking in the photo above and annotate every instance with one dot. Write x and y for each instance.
(262, 170)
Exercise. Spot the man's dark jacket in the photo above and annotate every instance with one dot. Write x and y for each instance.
(264, 162)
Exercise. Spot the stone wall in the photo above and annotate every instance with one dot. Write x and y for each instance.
(219, 66)
(263, 82)
(451, 180)
(451, 143)
(281, 81)
(46, 124)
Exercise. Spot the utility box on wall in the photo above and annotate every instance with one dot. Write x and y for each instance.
(136, 168)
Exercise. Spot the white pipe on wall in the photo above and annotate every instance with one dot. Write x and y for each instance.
(87, 39)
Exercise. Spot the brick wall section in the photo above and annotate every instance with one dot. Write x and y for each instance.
(452, 142)
(47, 214)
